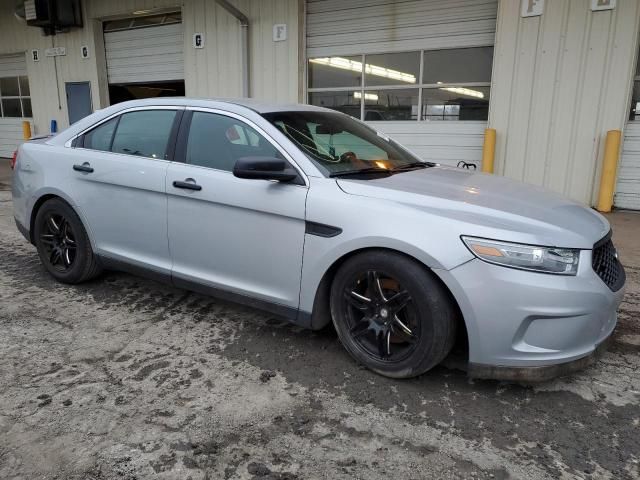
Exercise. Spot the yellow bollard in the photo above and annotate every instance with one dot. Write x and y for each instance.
(609, 168)
(26, 130)
(489, 150)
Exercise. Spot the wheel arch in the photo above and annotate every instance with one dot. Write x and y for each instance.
(321, 314)
(49, 195)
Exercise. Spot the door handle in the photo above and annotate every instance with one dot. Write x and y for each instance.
(85, 167)
(187, 184)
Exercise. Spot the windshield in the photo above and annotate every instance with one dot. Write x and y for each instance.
(339, 144)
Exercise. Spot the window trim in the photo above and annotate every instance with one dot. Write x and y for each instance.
(420, 86)
(170, 142)
(77, 141)
(183, 135)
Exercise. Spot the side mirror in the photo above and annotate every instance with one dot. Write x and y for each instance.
(264, 168)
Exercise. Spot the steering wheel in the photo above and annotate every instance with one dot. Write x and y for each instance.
(348, 157)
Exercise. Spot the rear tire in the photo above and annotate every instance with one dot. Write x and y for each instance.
(392, 314)
(63, 244)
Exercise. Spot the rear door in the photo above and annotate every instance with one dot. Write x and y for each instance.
(231, 234)
(119, 185)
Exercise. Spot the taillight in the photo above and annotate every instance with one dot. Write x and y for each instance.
(14, 159)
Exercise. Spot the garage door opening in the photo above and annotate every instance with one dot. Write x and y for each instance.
(134, 91)
(144, 57)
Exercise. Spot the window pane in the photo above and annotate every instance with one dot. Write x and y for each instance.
(144, 133)
(100, 137)
(11, 107)
(9, 87)
(635, 102)
(330, 72)
(459, 65)
(26, 107)
(345, 102)
(24, 86)
(401, 104)
(217, 141)
(455, 103)
(392, 69)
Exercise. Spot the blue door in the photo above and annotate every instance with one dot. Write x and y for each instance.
(78, 100)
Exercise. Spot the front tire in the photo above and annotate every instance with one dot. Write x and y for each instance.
(63, 244)
(392, 314)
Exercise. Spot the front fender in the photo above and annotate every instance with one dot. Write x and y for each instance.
(371, 223)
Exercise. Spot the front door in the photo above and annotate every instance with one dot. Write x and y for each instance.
(78, 100)
(118, 182)
(236, 235)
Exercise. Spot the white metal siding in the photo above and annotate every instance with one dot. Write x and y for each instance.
(442, 142)
(560, 82)
(628, 188)
(151, 54)
(12, 65)
(11, 128)
(339, 27)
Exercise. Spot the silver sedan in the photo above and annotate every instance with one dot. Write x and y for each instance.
(314, 216)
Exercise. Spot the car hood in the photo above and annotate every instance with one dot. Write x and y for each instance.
(489, 206)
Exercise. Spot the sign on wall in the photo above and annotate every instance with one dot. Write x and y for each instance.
(280, 32)
(198, 40)
(55, 52)
(532, 8)
(603, 4)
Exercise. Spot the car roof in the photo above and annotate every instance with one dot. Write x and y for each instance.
(236, 105)
(259, 106)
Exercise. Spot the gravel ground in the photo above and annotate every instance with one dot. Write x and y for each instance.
(126, 378)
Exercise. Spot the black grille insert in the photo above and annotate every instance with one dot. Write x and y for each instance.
(605, 263)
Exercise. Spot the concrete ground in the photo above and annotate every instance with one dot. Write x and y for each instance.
(126, 378)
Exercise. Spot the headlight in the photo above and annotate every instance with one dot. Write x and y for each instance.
(560, 261)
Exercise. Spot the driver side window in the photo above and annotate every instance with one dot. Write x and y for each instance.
(217, 141)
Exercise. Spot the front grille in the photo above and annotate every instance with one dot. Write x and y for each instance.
(605, 263)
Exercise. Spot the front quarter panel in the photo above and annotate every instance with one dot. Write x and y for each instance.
(371, 223)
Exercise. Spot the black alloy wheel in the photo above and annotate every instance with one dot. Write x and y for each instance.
(383, 320)
(59, 242)
(63, 244)
(392, 314)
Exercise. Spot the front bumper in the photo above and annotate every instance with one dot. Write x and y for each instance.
(536, 374)
(525, 320)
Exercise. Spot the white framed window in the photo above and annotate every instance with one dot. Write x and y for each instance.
(426, 85)
(15, 97)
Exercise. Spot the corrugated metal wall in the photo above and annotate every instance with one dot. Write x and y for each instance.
(215, 70)
(212, 71)
(560, 81)
(338, 27)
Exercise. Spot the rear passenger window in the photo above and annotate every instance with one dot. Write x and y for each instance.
(217, 141)
(144, 133)
(100, 137)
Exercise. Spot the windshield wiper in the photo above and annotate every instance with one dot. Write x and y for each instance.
(348, 173)
(412, 166)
